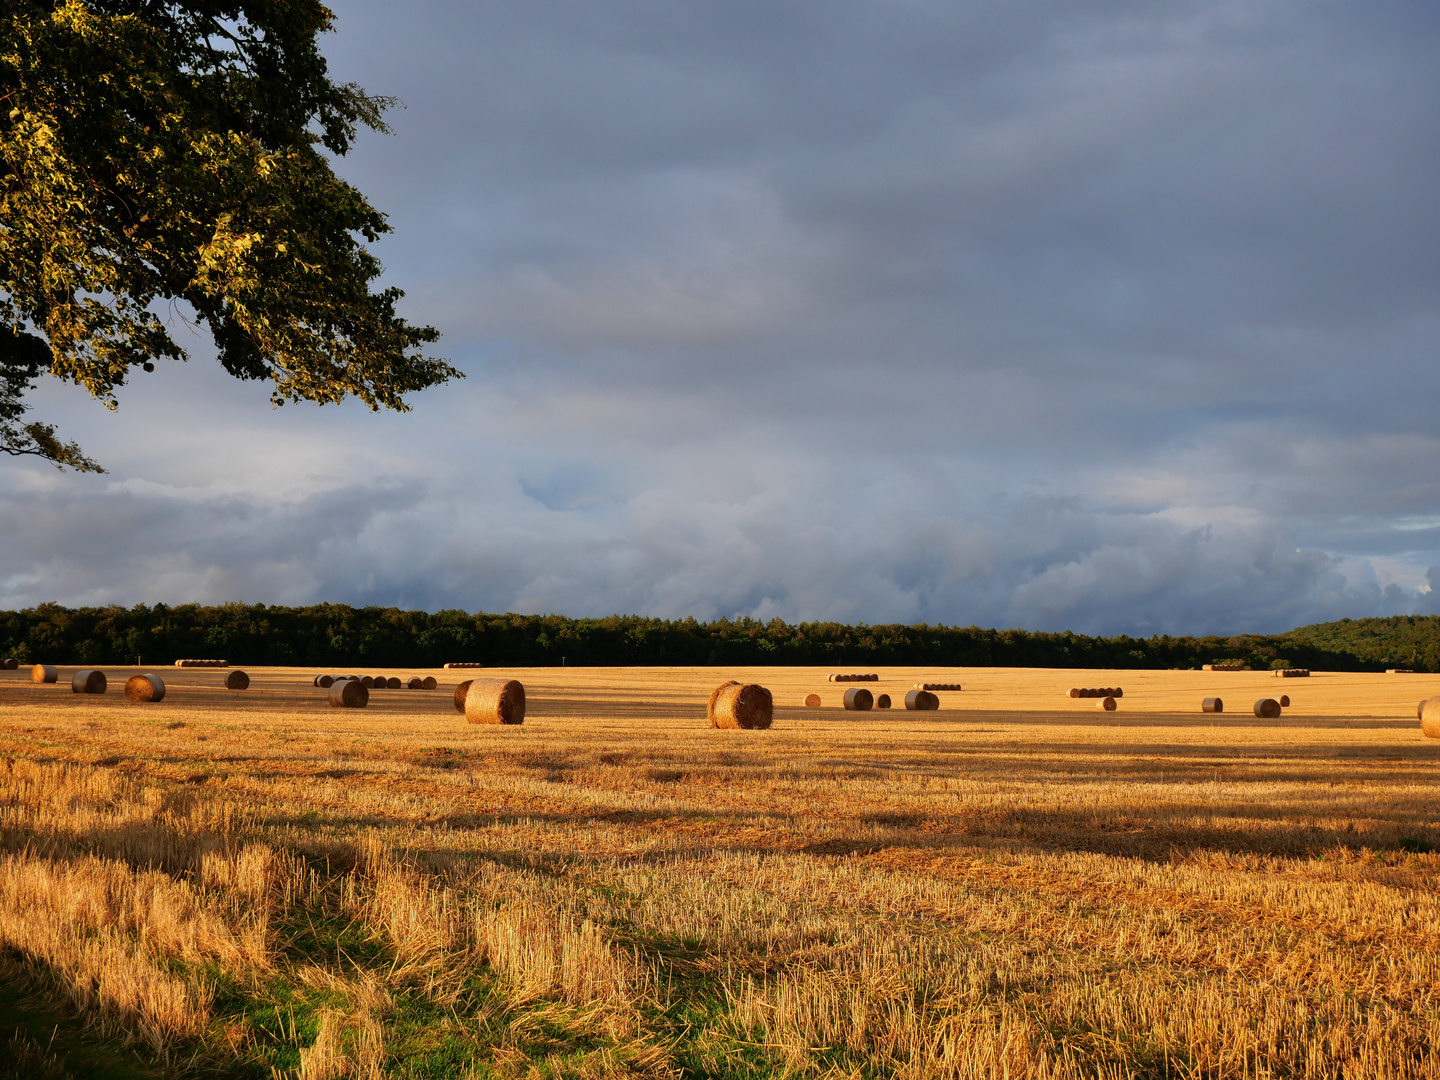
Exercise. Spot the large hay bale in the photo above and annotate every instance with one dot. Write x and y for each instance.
(460, 692)
(495, 701)
(379, 682)
(415, 682)
(349, 694)
(921, 701)
(1284, 701)
(43, 673)
(143, 688)
(202, 663)
(741, 706)
(812, 701)
(393, 682)
(88, 681)
(1074, 691)
(428, 683)
(10, 663)
(858, 699)
(324, 681)
(366, 681)
(464, 665)
(1118, 692)
(948, 686)
(1107, 703)
(714, 697)
(1430, 718)
(237, 680)
(1212, 704)
(882, 701)
(1267, 708)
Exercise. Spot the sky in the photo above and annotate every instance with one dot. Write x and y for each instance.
(1118, 317)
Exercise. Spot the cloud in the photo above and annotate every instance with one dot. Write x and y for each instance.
(1119, 318)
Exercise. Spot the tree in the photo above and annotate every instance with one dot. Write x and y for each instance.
(163, 151)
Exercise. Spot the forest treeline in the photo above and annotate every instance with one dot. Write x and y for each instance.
(336, 636)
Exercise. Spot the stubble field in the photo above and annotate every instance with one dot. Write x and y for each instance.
(254, 884)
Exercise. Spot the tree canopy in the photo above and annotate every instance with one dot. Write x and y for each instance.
(162, 151)
(338, 635)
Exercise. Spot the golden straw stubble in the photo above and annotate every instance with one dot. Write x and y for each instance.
(1430, 717)
(747, 706)
(143, 688)
(495, 701)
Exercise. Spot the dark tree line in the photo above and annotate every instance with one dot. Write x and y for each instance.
(336, 635)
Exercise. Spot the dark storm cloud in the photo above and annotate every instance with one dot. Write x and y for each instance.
(1113, 316)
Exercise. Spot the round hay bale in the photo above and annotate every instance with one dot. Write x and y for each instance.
(858, 699)
(43, 673)
(415, 682)
(314, 680)
(1119, 692)
(237, 680)
(1106, 704)
(88, 681)
(143, 688)
(460, 692)
(428, 683)
(714, 697)
(1267, 708)
(812, 701)
(394, 683)
(10, 663)
(745, 706)
(324, 681)
(379, 682)
(1212, 704)
(495, 701)
(882, 701)
(365, 681)
(349, 694)
(1074, 691)
(1284, 701)
(1430, 718)
(921, 701)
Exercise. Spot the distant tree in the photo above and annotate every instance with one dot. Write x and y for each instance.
(154, 151)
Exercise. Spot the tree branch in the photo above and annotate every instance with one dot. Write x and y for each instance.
(38, 440)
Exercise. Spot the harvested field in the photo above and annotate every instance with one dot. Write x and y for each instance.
(1015, 883)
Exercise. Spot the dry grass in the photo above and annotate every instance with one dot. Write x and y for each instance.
(1015, 884)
